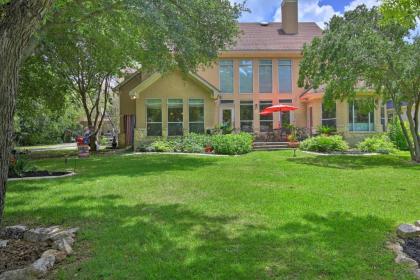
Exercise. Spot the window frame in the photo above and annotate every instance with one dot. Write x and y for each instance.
(371, 119)
(147, 119)
(329, 119)
(189, 115)
(232, 66)
(279, 66)
(242, 63)
(264, 63)
(266, 103)
(167, 116)
(244, 103)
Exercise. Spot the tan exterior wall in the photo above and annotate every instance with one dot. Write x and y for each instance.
(173, 85)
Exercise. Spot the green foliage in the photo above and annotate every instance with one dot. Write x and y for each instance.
(404, 12)
(396, 135)
(21, 165)
(358, 47)
(325, 129)
(324, 144)
(377, 144)
(162, 146)
(232, 144)
(42, 125)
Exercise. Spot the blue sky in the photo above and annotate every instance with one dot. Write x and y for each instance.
(319, 11)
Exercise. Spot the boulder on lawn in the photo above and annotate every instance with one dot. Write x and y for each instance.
(408, 231)
(13, 232)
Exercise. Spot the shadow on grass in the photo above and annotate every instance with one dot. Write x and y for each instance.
(356, 162)
(154, 241)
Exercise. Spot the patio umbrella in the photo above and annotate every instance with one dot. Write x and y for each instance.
(278, 108)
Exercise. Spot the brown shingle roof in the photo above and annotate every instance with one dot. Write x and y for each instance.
(256, 37)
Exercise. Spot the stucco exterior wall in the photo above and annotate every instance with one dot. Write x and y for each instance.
(173, 85)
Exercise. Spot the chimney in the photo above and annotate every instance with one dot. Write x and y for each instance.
(289, 16)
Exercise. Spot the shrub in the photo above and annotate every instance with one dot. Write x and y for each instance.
(377, 144)
(324, 143)
(396, 134)
(18, 166)
(162, 146)
(325, 129)
(232, 144)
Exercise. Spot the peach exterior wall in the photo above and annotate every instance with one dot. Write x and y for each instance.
(298, 117)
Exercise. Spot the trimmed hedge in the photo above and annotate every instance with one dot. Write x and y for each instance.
(227, 144)
(232, 144)
(325, 144)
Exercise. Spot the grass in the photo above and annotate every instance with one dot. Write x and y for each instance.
(264, 215)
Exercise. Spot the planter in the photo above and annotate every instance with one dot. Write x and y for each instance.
(293, 145)
(208, 150)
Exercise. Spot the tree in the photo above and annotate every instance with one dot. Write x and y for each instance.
(90, 55)
(19, 20)
(172, 33)
(357, 47)
(404, 12)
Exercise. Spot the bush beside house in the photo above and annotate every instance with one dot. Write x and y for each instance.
(377, 144)
(226, 144)
(325, 144)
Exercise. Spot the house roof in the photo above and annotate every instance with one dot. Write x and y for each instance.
(157, 76)
(256, 37)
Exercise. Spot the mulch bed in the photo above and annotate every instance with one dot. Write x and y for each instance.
(412, 248)
(19, 253)
(40, 174)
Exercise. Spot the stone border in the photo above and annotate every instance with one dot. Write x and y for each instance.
(340, 154)
(406, 231)
(179, 154)
(60, 240)
(41, 177)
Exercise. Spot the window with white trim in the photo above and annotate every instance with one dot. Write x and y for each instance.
(246, 115)
(361, 116)
(329, 115)
(285, 76)
(266, 76)
(266, 121)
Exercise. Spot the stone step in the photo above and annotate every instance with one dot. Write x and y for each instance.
(269, 148)
(270, 144)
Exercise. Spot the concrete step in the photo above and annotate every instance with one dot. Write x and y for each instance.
(270, 148)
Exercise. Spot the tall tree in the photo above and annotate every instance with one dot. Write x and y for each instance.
(171, 34)
(358, 47)
(404, 12)
(19, 20)
(158, 35)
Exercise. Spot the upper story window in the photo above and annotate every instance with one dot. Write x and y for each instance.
(266, 76)
(245, 76)
(361, 116)
(226, 76)
(285, 76)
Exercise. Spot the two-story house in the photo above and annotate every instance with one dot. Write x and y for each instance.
(259, 71)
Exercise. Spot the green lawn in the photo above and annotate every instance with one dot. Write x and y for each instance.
(264, 215)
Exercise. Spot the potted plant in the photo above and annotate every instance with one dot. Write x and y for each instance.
(208, 149)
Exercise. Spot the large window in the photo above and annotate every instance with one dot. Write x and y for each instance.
(196, 115)
(266, 121)
(154, 117)
(226, 76)
(329, 117)
(245, 76)
(285, 119)
(285, 76)
(247, 115)
(175, 117)
(361, 116)
(266, 76)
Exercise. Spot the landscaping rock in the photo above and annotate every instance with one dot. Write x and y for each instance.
(18, 274)
(42, 265)
(40, 234)
(403, 259)
(417, 272)
(14, 232)
(417, 223)
(395, 247)
(3, 243)
(63, 245)
(408, 231)
(59, 255)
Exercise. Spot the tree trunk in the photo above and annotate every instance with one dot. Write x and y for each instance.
(19, 19)
(412, 125)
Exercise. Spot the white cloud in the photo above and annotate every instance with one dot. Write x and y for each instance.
(353, 4)
(312, 11)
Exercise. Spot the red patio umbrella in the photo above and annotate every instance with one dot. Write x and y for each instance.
(278, 108)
